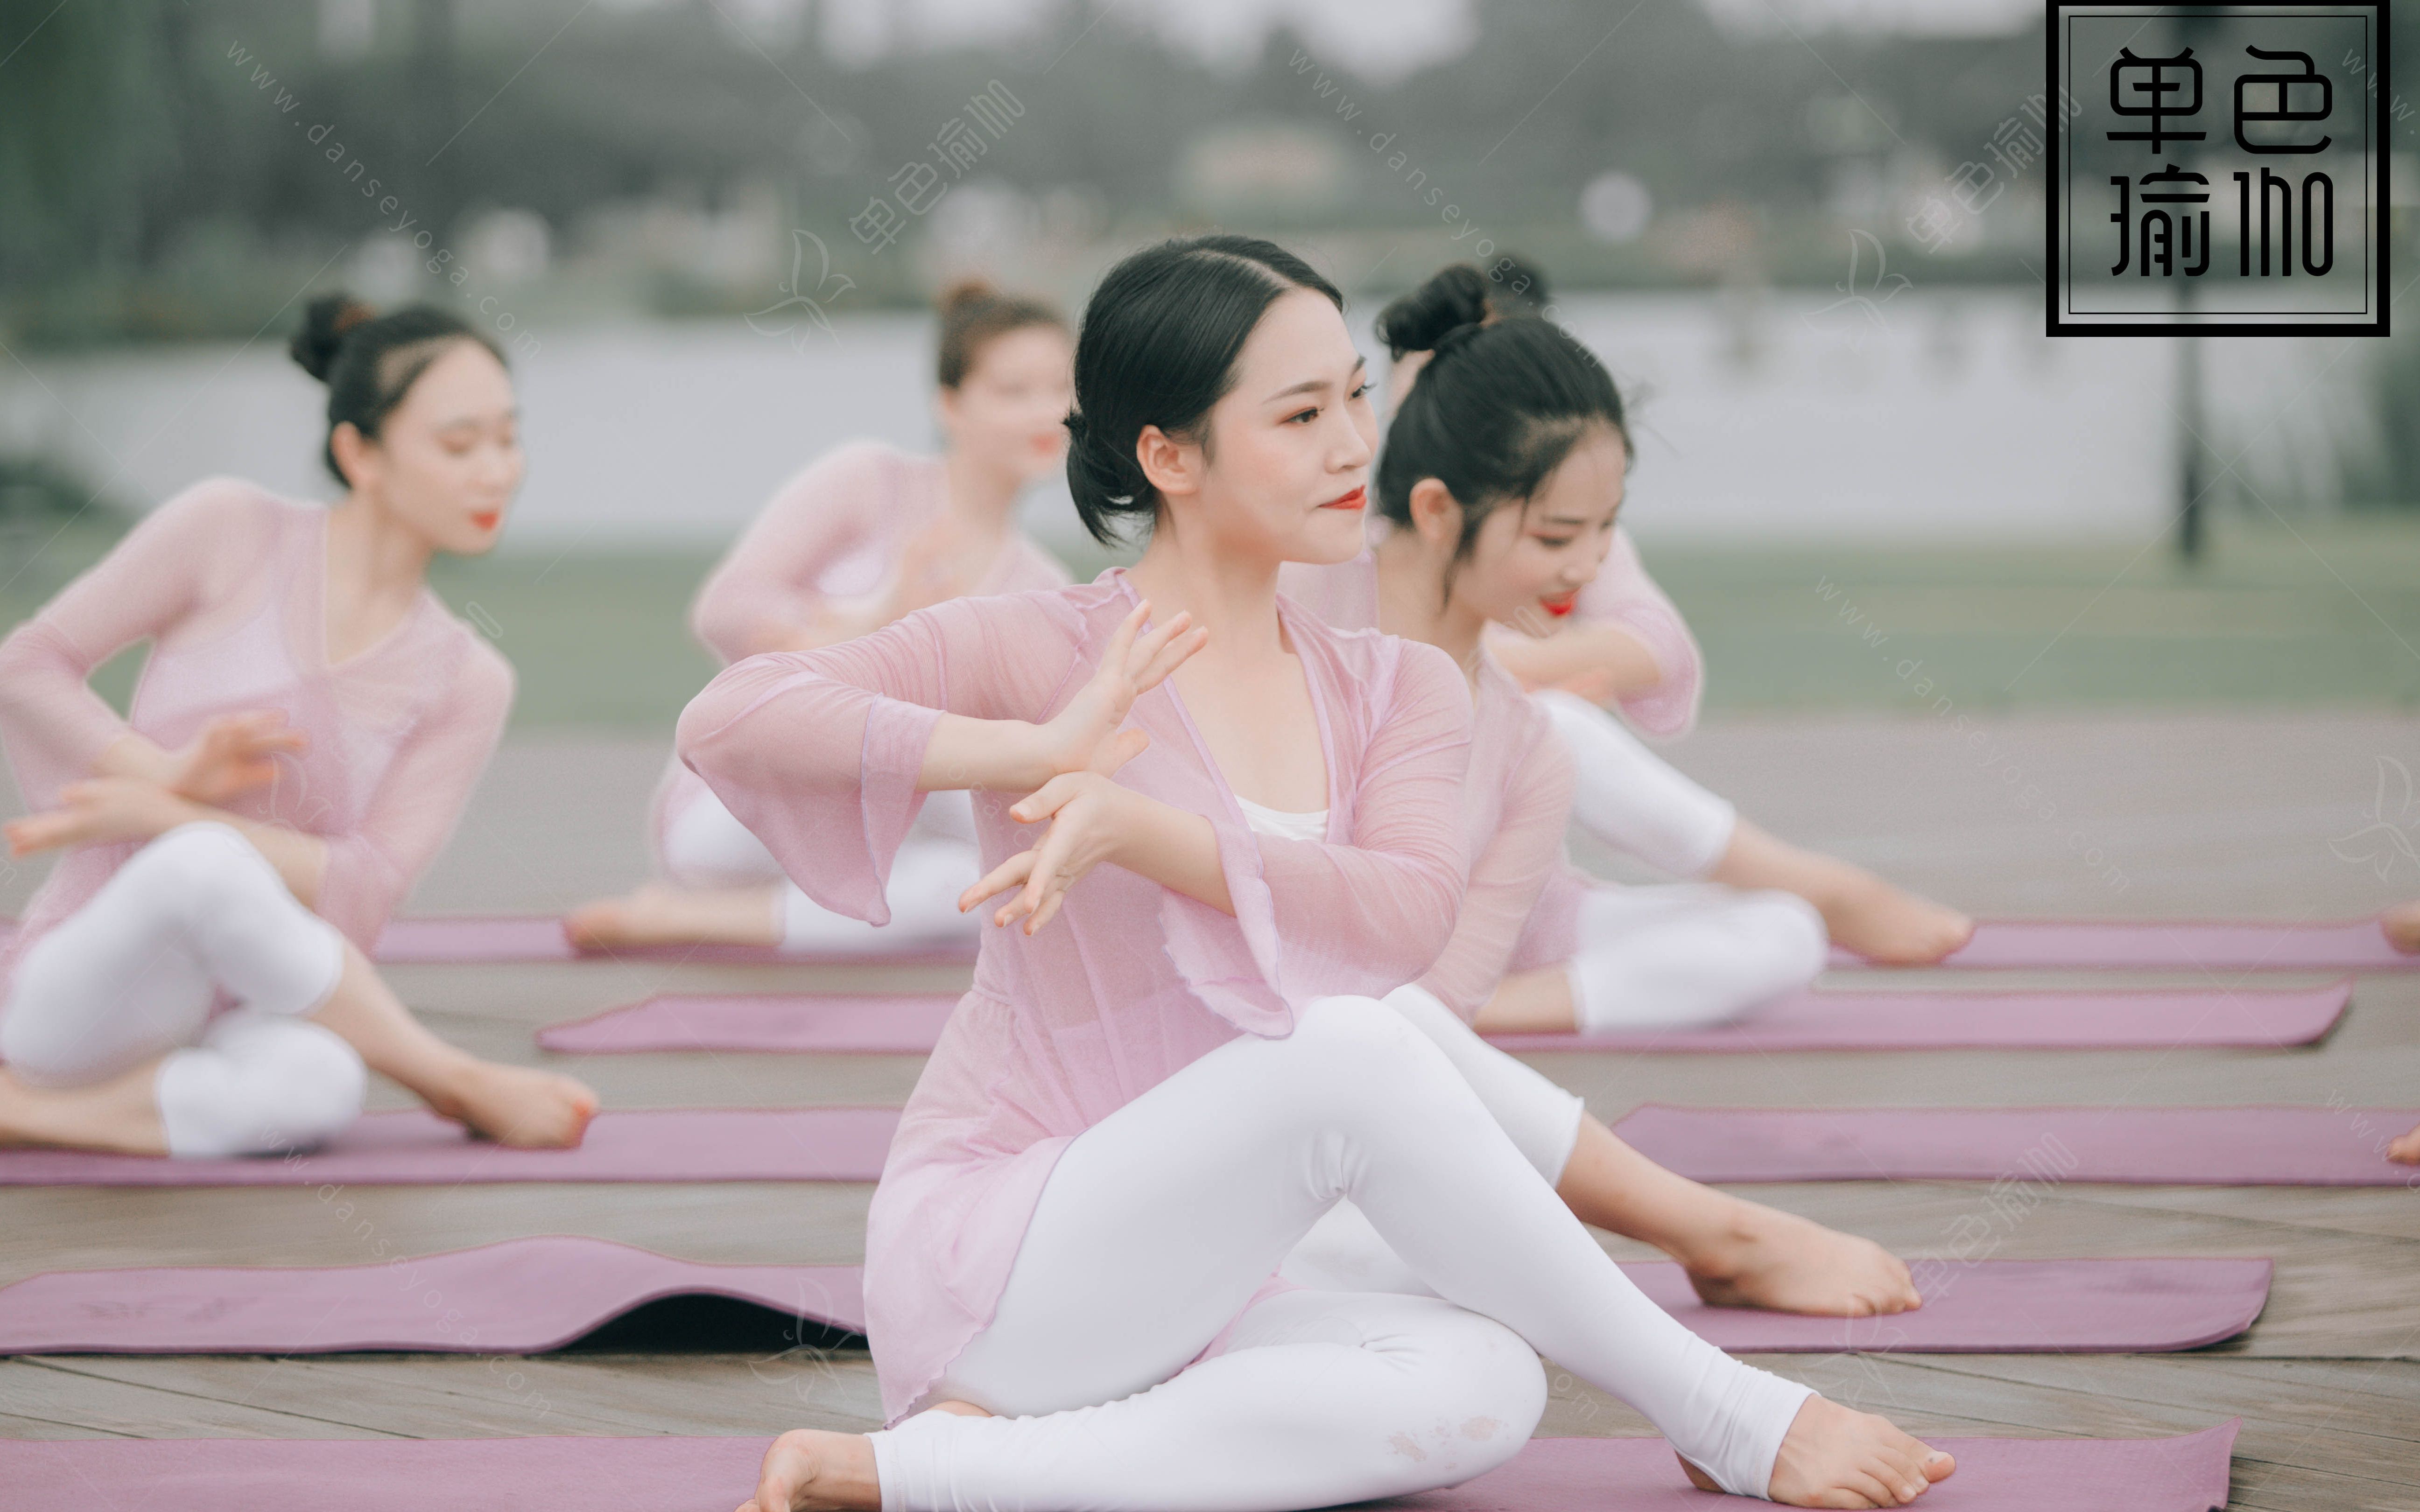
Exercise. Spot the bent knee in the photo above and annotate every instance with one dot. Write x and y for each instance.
(1788, 930)
(1366, 1039)
(194, 865)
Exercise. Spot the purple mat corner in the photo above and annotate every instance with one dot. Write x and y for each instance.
(2251, 1145)
(487, 938)
(420, 1148)
(2176, 945)
(526, 1296)
(2185, 1474)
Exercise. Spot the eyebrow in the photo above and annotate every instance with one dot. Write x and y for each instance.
(1315, 385)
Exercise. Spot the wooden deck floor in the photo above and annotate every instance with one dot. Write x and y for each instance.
(2229, 815)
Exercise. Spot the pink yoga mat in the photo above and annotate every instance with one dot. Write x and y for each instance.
(2186, 1473)
(524, 1296)
(499, 938)
(1805, 1021)
(906, 1024)
(2144, 1146)
(420, 1148)
(527, 1295)
(2180, 945)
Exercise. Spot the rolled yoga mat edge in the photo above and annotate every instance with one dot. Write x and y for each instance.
(2187, 1472)
(526, 1296)
(473, 939)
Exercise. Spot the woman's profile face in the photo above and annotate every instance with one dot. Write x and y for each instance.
(1529, 563)
(447, 461)
(1008, 409)
(1284, 467)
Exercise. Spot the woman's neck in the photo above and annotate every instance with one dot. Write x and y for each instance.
(978, 497)
(371, 554)
(1413, 602)
(1234, 598)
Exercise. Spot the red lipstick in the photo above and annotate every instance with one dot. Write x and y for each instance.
(485, 519)
(1354, 500)
(1560, 607)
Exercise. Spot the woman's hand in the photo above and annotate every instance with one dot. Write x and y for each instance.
(101, 810)
(1089, 817)
(233, 754)
(1086, 737)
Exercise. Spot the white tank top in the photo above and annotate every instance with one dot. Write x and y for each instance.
(1285, 823)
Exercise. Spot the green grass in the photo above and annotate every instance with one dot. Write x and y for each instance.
(2326, 612)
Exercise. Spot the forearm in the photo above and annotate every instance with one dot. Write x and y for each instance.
(1176, 849)
(984, 756)
(1623, 663)
(136, 756)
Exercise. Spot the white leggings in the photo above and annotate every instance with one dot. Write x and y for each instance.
(136, 970)
(1163, 1223)
(1670, 957)
(1688, 954)
(705, 846)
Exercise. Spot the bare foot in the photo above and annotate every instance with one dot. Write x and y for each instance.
(2406, 1149)
(1778, 1261)
(2402, 926)
(1837, 1458)
(808, 1469)
(658, 915)
(518, 1105)
(1893, 928)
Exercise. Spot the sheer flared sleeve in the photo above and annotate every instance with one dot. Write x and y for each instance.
(1624, 594)
(1313, 919)
(1507, 878)
(766, 584)
(420, 797)
(52, 723)
(817, 752)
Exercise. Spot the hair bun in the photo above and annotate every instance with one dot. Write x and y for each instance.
(1422, 320)
(964, 294)
(324, 324)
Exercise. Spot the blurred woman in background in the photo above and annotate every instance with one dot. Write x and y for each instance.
(865, 535)
(192, 978)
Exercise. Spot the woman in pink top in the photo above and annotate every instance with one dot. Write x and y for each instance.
(192, 978)
(1620, 639)
(1170, 1065)
(1531, 431)
(863, 535)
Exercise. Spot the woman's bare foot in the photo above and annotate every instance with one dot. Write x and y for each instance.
(2402, 926)
(1837, 1458)
(518, 1105)
(2406, 1148)
(808, 1469)
(658, 915)
(1891, 927)
(1778, 1261)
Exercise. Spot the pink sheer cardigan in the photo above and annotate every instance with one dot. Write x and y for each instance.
(830, 538)
(228, 582)
(818, 753)
(1515, 803)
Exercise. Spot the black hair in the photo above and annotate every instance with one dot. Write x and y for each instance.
(1499, 405)
(370, 361)
(1158, 348)
(1516, 285)
(973, 315)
